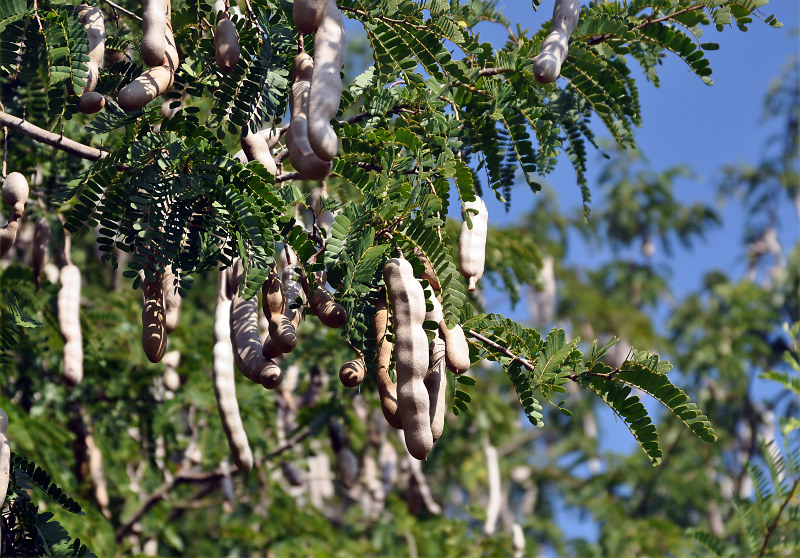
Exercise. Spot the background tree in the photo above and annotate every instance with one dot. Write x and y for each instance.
(436, 114)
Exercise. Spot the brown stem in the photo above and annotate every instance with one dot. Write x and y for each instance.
(123, 10)
(486, 341)
(52, 139)
(774, 524)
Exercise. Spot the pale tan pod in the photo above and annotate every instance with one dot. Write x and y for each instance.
(387, 389)
(245, 339)
(352, 373)
(93, 22)
(301, 155)
(226, 45)
(255, 148)
(224, 381)
(308, 14)
(154, 320)
(15, 192)
(547, 64)
(5, 456)
(69, 322)
(436, 384)
(91, 102)
(8, 233)
(407, 302)
(172, 300)
(294, 294)
(429, 274)
(472, 242)
(155, 14)
(149, 85)
(326, 83)
(272, 300)
(457, 348)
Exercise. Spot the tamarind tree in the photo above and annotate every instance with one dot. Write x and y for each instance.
(155, 196)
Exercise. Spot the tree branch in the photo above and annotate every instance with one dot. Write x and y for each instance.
(486, 341)
(123, 10)
(52, 139)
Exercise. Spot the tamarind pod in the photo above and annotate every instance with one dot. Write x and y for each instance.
(95, 463)
(172, 300)
(93, 22)
(282, 333)
(308, 14)
(547, 64)
(435, 313)
(326, 83)
(15, 193)
(436, 384)
(69, 322)
(347, 464)
(8, 234)
(387, 389)
(352, 373)
(224, 382)
(154, 26)
(472, 242)
(283, 336)
(292, 473)
(154, 320)
(5, 456)
(91, 102)
(407, 302)
(245, 340)
(456, 348)
(301, 155)
(272, 300)
(153, 81)
(330, 313)
(226, 45)
(429, 274)
(40, 253)
(255, 147)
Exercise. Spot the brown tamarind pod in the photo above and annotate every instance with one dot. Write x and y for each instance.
(301, 155)
(387, 389)
(330, 313)
(155, 15)
(352, 373)
(41, 248)
(308, 14)
(172, 300)
(283, 334)
(226, 45)
(154, 320)
(69, 322)
(91, 102)
(436, 384)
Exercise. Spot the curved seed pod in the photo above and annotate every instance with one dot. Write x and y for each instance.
(152, 82)
(407, 301)
(226, 45)
(429, 274)
(256, 148)
(91, 102)
(301, 155)
(436, 384)
(285, 334)
(472, 242)
(387, 389)
(245, 340)
(155, 14)
(93, 22)
(224, 382)
(8, 233)
(308, 14)
(273, 301)
(171, 378)
(172, 300)
(154, 320)
(41, 248)
(547, 64)
(352, 373)
(326, 83)
(5, 456)
(457, 348)
(330, 313)
(69, 322)
(15, 193)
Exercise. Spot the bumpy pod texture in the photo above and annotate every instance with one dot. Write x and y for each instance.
(308, 14)
(155, 14)
(15, 193)
(224, 383)
(326, 83)
(256, 148)
(436, 384)
(152, 82)
(5, 456)
(407, 302)
(352, 373)
(301, 155)
(330, 313)
(283, 335)
(93, 22)
(472, 242)
(547, 64)
(69, 322)
(245, 340)
(172, 300)
(226, 45)
(387, 389)
(154, 320)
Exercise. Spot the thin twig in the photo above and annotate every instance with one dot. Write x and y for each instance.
(602, 38)
(123, 10)
(774, 524)
(486, 341)
(382, 18)
(55, 140)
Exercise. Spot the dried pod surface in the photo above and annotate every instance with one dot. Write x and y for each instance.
(41, 248)
(352, 373)
(407, 302)
(226, 45)
(283, 335)
(172, 300)
(245, 340)
(547, 64)
(308, 14)
(256, 148)
(224, 382)
(69, 322)
(93, 22)
(330, 313)
(152, 82)
(15, 193)
(91, 102)
(5, 456)
(326, 83)
(457, 348)
(387, 389)
(301, 155)
(472, 242)
(272, 299)
(436, 384)
(155, 14)
(154, 320)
